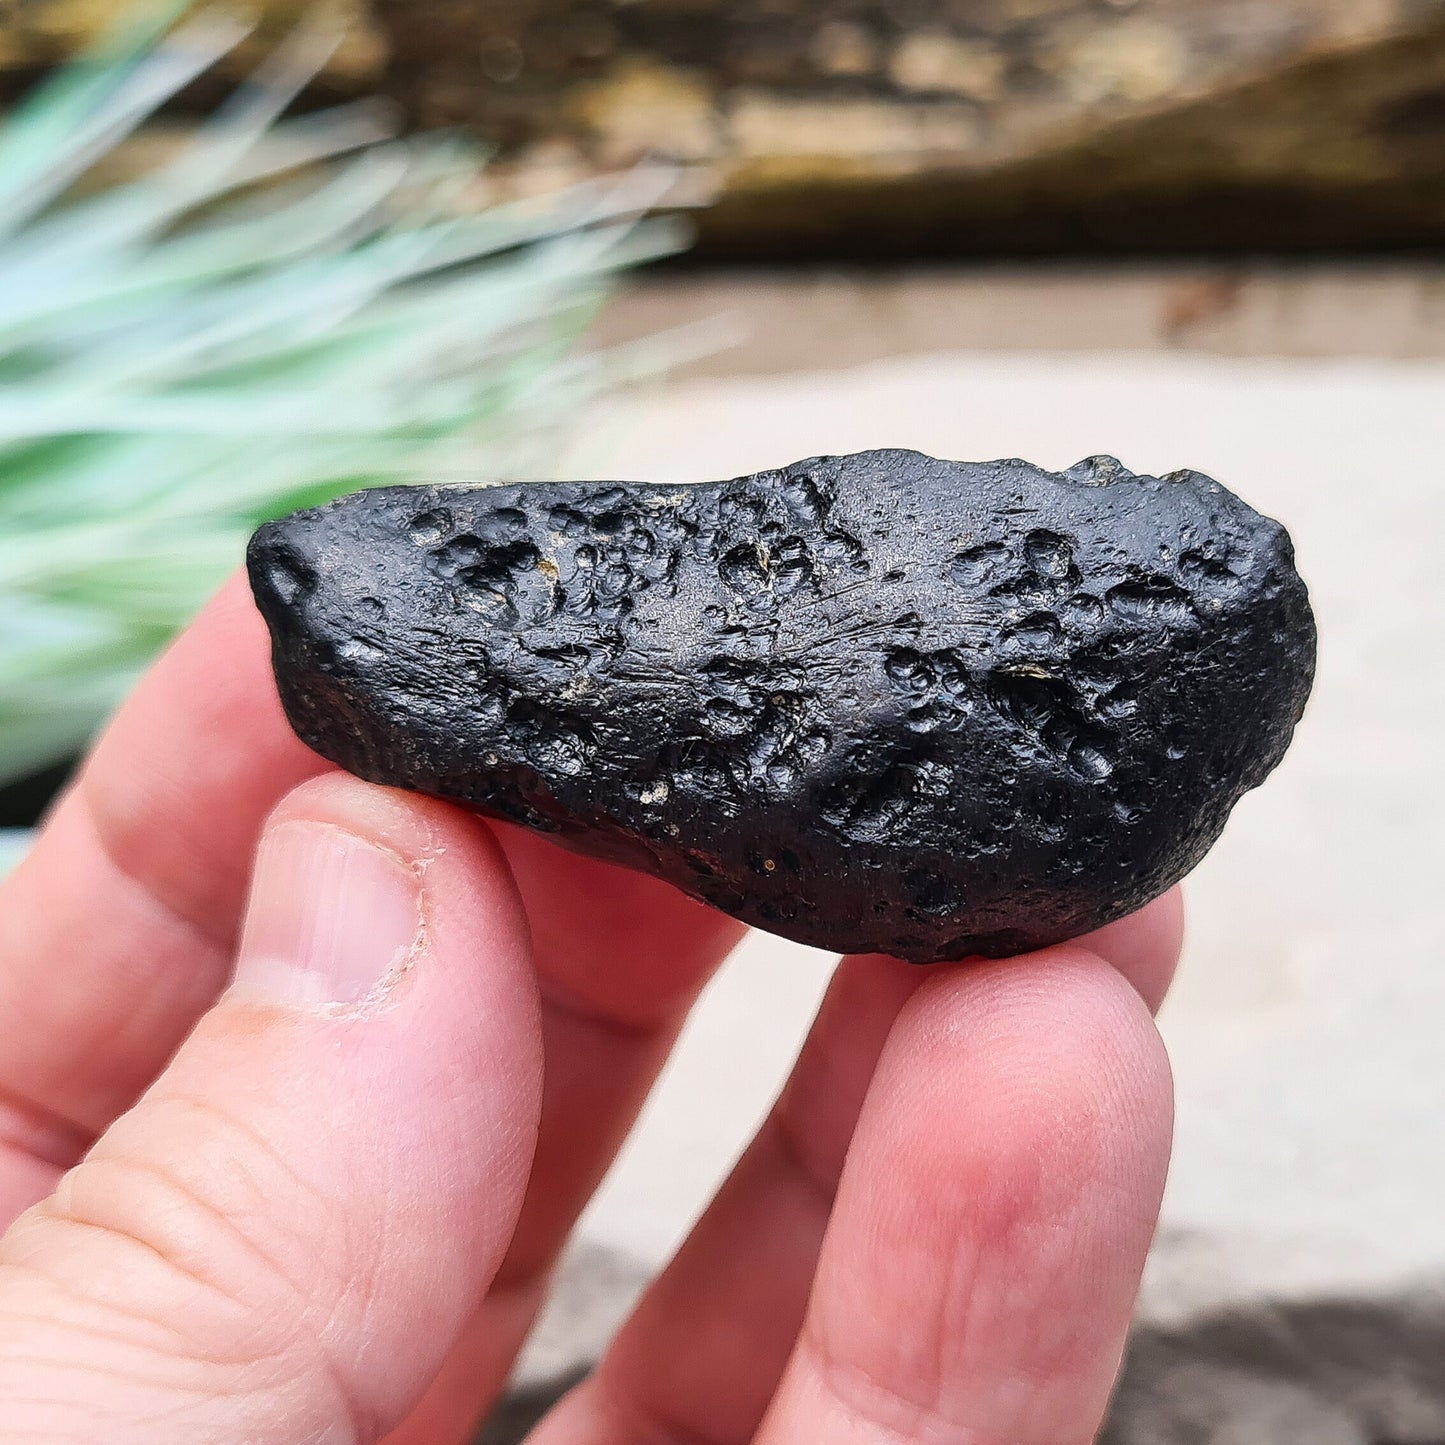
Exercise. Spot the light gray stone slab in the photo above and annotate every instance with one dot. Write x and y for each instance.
(1297, 1277)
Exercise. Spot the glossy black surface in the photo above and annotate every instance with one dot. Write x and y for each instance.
(874, 703)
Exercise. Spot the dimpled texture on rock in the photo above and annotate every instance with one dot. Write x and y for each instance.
(873, 703)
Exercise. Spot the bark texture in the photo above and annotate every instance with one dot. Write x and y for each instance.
(851, 127)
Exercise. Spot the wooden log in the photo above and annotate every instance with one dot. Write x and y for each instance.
(856, 127)
(37, 34)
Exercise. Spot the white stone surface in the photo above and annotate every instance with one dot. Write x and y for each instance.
(795, 319)
(1307, 1021)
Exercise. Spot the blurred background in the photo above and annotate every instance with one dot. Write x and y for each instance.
(1192, 233)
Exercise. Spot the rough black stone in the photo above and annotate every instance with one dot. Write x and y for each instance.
(873, 703)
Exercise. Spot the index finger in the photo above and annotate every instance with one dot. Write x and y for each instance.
(118, 930)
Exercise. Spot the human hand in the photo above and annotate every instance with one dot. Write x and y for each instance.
(321, 1203)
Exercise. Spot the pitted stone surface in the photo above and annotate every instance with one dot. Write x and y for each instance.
(872, 703)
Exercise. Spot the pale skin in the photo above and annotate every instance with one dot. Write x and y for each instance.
(304, 1083)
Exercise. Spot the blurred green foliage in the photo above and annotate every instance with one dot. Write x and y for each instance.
(281, 311)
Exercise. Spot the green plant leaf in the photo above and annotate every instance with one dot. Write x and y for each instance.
(283, 311)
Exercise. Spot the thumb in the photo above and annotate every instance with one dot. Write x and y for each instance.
(282, 1239)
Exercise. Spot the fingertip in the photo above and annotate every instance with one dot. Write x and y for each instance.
(1145, 946)
(470, 991)
(1057, 1048)
(998, 1200)
(439, 837)
(1062, 987)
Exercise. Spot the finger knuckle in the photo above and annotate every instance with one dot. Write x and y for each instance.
(205, 1262)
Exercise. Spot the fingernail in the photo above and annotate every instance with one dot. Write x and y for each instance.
(333, 920)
